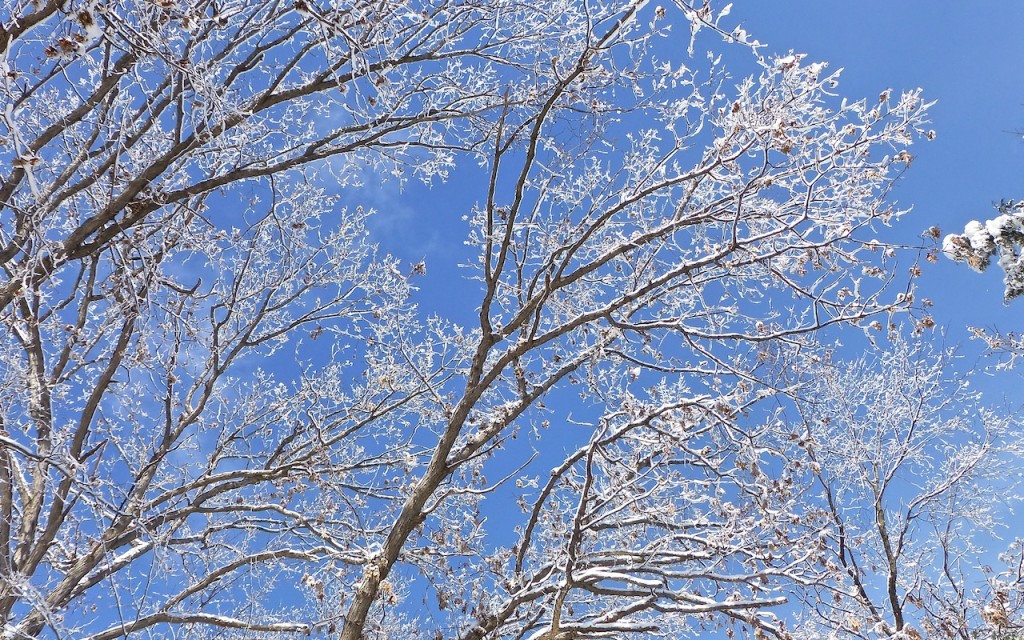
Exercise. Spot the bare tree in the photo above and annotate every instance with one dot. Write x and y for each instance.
(916, 475)
(223, 414)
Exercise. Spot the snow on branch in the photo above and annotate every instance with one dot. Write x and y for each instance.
(1001, 237)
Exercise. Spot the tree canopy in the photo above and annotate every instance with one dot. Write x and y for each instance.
(223, 412)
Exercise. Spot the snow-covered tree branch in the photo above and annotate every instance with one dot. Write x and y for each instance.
(915, 473)
(223, 412)
(1000, 237)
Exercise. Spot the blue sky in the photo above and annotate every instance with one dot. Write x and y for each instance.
(967, 56)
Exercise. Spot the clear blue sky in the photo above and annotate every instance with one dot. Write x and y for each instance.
(968, 57)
